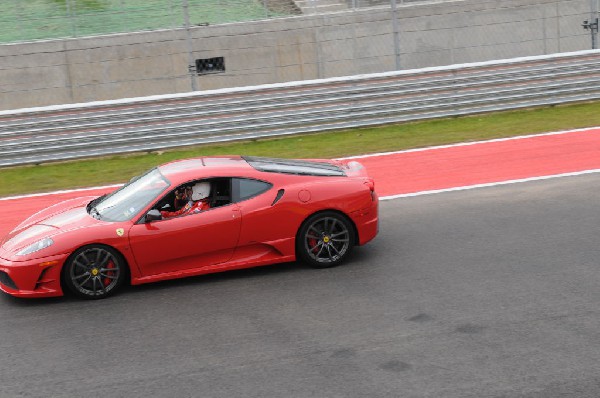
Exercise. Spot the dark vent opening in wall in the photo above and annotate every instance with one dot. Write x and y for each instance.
(210, 65)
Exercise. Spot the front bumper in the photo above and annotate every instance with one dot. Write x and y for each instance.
(33, 278)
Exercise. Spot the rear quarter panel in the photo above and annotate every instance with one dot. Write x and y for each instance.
(275, 224)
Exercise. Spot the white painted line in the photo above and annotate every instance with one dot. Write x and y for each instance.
(390, 197)
(33, 195)
(461, 144)
(491, 184)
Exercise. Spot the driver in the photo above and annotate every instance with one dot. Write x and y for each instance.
(197, 201)
(182, 196)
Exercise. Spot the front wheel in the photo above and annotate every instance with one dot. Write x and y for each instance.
(94, 272)
(325, 239)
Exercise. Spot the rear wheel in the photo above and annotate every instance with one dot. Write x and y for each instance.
(94, 272)
(325, 239)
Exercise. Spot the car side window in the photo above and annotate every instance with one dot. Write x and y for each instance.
(246, 188)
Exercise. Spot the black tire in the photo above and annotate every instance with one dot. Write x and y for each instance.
(325, 239)
(94, 272)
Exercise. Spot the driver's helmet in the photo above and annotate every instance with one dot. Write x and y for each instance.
(200, 191)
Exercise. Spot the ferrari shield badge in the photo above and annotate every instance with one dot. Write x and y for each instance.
(120, 231)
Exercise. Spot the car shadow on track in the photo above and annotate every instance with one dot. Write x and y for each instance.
(358, 259)
(247, 273)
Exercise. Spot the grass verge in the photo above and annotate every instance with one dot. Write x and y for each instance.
(46, 19)
(116, 169)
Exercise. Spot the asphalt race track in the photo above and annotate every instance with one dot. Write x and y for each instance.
(490, 292)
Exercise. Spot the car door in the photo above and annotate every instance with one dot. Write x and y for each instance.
(186, 242)
(264, 226)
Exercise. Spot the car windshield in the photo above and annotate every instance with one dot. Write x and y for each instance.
(127, 202)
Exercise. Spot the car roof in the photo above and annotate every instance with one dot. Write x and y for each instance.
(181, 169)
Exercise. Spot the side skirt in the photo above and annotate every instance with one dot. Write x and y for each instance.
(228, 266)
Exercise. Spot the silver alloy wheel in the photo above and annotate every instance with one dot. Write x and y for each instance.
(326, 240)
(94, 272)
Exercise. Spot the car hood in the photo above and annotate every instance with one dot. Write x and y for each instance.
(65, 216)
(53, 210)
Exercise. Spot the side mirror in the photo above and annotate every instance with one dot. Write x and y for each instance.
(153, 215)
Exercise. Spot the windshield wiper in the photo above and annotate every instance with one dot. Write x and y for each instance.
(91, 207)
(94, 202)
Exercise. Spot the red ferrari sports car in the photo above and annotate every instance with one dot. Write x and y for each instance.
(193, 217)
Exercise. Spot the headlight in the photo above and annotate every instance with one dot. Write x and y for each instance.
(39, 245)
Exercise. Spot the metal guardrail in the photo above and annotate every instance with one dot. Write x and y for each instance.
(37, 135)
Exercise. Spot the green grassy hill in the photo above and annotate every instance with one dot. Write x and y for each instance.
(23, 20)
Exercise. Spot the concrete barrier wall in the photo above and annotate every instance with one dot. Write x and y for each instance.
(288, 49)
